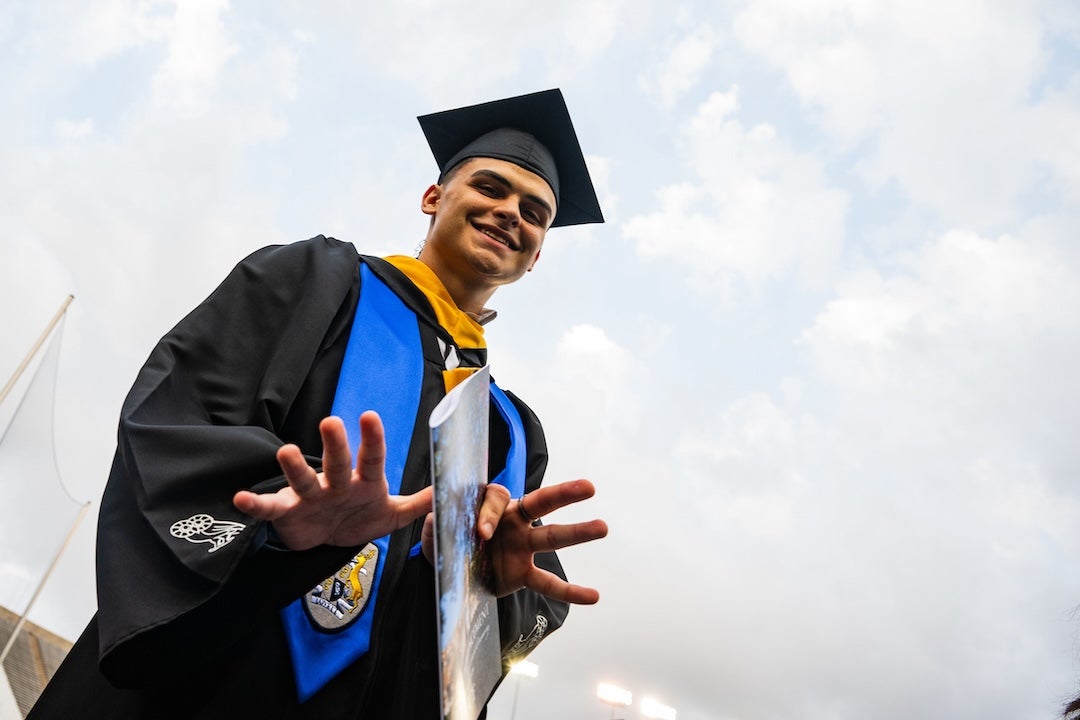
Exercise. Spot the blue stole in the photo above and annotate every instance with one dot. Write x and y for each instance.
(512, 476)
(382, 370)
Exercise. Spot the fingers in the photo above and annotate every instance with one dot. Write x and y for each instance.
(301, 477)
(339, 505)
(410, 507)
(427, 539)
(371, 457)
(522, 540)
(552, 586)
(496, 498)
(263, 507)
(337, 460)
(249, 503)
(550, 498)
(546, 538)
(303, 482)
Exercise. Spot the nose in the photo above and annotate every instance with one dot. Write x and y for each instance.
(507, 212)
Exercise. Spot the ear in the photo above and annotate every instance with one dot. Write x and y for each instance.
(429, 203)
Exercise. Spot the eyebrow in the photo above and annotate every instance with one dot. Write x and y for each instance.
(506, 183)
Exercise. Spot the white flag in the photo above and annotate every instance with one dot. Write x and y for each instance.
(36, 510)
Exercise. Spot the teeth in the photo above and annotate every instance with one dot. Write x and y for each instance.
(495, 237)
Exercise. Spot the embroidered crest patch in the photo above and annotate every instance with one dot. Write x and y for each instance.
(337, 601)
(203, 528)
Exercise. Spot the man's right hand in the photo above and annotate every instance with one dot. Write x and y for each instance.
(343, 505)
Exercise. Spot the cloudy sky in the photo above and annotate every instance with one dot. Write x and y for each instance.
(819, 361)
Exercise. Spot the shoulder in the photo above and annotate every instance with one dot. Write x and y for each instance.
(319, 250)
(534, 430)
(527, 414)
(535, 440)
(279, 281)
(295, 265)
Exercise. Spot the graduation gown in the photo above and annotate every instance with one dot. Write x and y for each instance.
(186, 633)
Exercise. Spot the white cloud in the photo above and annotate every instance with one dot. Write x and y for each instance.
(199, 47)
(1003, 291)
(1055, 123)
(589, 27)
(756, 209)
(942, 95)
(857, 60)
(743, 470)
(74, 129)
(600, 172)
(682, 68)
(457, 51)
(1019, 499)
(95, 30)
(884, 511)
(595, 371)
(969, 341)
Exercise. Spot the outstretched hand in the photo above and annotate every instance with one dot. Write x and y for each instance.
(344, 505)
(514, 539)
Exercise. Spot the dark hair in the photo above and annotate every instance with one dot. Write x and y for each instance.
(452, 171)
(1072, 710)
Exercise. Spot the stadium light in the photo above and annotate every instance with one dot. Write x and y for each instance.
(525, 668)
(614, 696)
(653, 709)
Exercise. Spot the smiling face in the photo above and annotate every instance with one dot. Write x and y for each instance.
(488, 222)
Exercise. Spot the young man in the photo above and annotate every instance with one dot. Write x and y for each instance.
(246, 566)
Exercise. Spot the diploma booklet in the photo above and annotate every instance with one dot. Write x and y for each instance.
(467, 614)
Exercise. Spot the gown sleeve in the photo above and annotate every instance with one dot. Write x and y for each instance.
(182, 574)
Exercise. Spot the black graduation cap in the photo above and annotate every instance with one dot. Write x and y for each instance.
(533, 131)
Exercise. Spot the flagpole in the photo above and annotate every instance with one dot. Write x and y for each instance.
(45, 579)
(37, 346)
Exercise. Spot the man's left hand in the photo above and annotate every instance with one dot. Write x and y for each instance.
(513, 539)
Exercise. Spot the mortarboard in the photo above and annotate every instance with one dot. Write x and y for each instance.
(532, 131)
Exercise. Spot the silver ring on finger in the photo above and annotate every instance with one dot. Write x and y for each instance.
(525, 513)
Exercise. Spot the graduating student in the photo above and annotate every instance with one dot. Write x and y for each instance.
(247, 566)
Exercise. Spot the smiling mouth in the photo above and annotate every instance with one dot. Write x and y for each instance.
(502, 240)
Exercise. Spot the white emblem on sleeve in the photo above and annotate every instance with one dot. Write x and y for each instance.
(203, 528)
(525, 643)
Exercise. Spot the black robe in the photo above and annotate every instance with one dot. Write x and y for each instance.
(184, 633)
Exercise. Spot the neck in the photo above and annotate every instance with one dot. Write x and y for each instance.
(470, 297)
